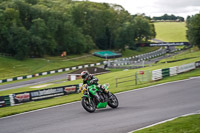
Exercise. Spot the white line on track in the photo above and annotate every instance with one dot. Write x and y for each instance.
(161, 122)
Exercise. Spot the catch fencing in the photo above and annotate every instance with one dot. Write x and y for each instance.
(127, 79)
(138, 78)
(143, 77)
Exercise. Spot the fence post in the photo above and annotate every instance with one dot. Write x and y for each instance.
(135, 78)
(116, 82)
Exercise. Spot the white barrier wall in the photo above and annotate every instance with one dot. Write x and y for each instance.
(173, 70)
(157, 74)
(186, 67)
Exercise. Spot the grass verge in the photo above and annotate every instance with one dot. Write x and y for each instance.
(187, 124)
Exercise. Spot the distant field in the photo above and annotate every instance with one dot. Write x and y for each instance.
(171, 31)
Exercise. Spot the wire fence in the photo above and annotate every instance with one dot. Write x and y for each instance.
(127, 79)
(138, 78)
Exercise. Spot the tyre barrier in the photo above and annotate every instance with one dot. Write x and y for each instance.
(161, 73)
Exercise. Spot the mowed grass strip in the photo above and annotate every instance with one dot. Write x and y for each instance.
(187, 124)
(171, 31)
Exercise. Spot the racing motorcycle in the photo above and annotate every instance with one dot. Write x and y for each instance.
(94, 98)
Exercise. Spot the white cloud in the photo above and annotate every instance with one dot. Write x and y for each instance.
(158, 7)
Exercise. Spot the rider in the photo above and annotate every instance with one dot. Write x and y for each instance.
(90, 79)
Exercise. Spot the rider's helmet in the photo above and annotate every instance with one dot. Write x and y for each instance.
(84, 75)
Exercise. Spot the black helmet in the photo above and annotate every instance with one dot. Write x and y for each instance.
(84, 75)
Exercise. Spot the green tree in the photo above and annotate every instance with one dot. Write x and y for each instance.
(127, 36)
(51, 27)
(19, 40)
(193, 31)
(144, 30)
(41, 41)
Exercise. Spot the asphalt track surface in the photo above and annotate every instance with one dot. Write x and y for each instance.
(33, 82)
(137, 109)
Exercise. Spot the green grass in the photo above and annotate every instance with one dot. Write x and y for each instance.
(192, 54)
(105, 78)
(171, 31)
(10, 67)
(188, 124)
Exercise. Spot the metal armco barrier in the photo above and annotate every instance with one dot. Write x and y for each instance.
(18, 98)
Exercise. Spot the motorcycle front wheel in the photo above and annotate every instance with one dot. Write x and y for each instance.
(88, 106)
(113, 101)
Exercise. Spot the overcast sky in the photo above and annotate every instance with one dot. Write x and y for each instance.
(158, 7)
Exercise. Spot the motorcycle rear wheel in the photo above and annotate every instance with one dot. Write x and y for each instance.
(113, 101)
(88, 106)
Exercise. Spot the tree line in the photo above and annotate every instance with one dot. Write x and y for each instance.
(34, 28)
(169, 17)
(193, 29)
